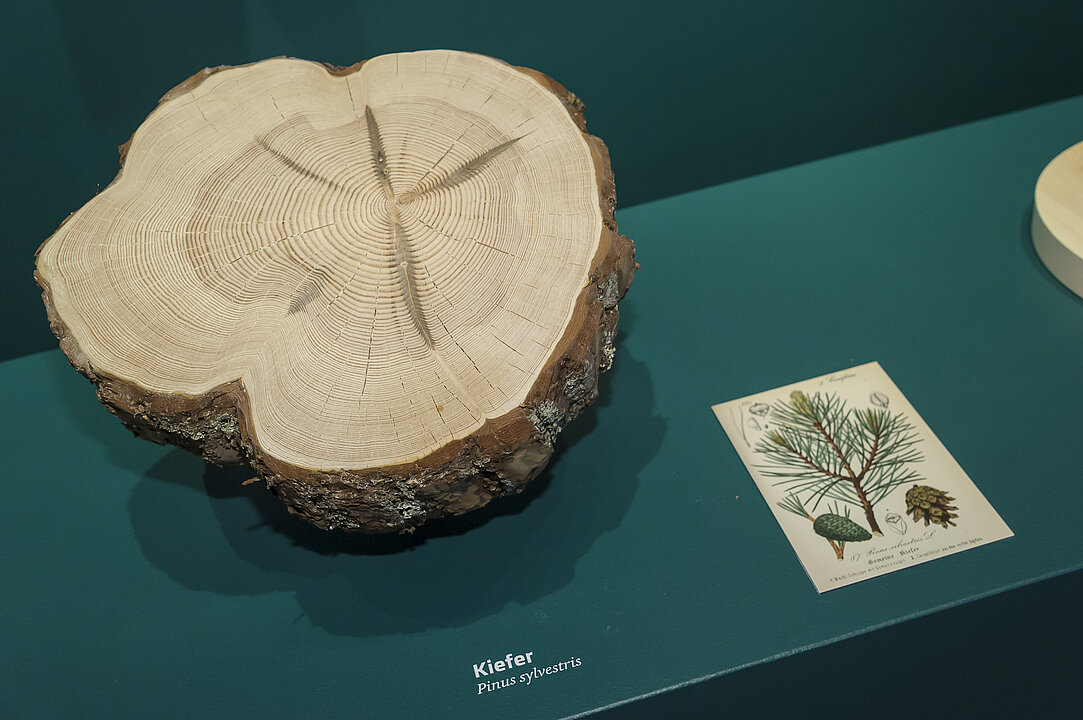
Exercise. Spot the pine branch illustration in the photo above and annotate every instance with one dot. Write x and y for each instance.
(821, 448)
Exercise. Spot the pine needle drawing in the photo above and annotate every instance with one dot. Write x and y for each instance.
(822, 450)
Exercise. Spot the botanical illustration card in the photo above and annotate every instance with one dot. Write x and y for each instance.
(856, 479)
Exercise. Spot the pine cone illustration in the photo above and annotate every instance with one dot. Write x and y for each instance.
(839, 528)
(929, 504)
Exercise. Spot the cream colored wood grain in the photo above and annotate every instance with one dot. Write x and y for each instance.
(372, 316)
(1057, 225)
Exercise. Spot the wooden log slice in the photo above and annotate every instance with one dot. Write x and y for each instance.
(1057, 221)
(387, 287)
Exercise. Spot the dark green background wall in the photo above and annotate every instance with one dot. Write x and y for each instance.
(686, 94)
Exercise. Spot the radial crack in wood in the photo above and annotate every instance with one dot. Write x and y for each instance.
(292, 164)
(387, 287)
(463, 172)
(378, 155)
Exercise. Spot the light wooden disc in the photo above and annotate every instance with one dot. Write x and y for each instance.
(1057, 226)
(384, 258)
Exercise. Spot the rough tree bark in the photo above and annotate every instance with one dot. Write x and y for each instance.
(387, 287)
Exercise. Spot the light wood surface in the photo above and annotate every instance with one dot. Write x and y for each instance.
(1057, 226)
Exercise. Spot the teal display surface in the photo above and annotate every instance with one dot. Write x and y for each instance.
(140, 582)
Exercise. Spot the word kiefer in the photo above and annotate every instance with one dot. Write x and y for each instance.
(488, 667)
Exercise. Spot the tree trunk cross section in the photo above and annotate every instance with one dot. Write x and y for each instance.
(387, 287)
